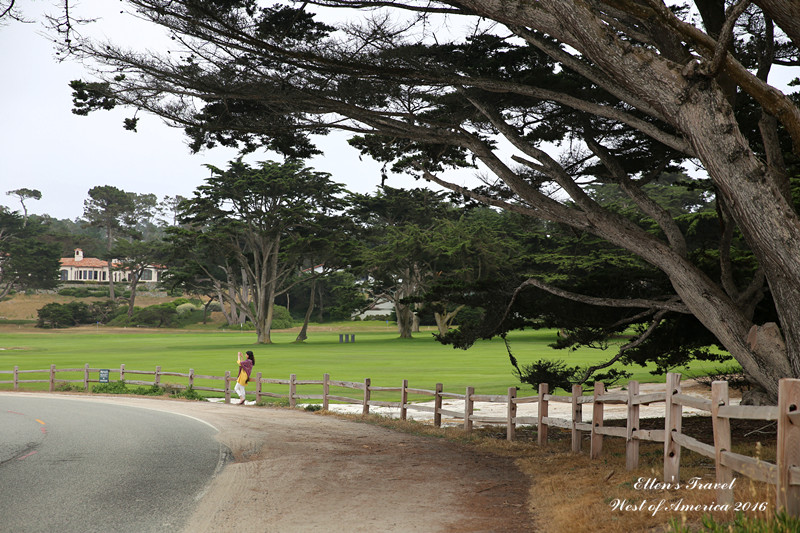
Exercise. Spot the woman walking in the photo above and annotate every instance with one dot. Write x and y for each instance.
(245, 367)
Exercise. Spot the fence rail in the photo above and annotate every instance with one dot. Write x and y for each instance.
(784, 474)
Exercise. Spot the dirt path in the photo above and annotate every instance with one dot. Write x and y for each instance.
(298, 472)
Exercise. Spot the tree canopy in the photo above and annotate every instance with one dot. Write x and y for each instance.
(27, 260)
(628, 89)
(258, 221)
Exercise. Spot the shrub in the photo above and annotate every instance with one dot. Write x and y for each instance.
(282, 318)
(155, 316)
(188, 394)
(117, 387)
(185, 308)
(55, 315)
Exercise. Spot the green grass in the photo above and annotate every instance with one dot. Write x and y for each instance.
(378, 355)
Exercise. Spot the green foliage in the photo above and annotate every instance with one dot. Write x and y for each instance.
(112, 387)
(55, 315)
(156, 316)
(778, 523)
(82, 292)
(120, 387)
(282, 319)
(185, 308)
(555, 373)
(27, 259)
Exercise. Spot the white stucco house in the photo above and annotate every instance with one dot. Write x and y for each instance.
(80, 268)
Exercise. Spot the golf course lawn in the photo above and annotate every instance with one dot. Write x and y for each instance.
(376, 354)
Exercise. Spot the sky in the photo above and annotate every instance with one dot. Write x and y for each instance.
(44, 146)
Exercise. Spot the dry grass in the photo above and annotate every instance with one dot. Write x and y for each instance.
(570, 492)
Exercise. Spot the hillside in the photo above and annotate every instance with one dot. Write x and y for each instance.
(24, 306)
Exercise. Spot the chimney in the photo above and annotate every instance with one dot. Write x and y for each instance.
(78, 254)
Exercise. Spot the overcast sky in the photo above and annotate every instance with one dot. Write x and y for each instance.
(44, 146)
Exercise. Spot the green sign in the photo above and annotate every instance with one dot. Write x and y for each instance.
(104, 375)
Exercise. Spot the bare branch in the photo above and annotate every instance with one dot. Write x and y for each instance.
(644, 202)
(726, 36)
(665, 305)
(622, 349)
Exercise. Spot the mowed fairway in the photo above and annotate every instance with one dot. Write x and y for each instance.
(376, 354)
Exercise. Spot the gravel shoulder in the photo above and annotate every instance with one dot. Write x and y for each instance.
(295, 471)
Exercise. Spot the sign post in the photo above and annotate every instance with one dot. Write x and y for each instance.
(104, 375)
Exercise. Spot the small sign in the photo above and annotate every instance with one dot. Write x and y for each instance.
(104, 375)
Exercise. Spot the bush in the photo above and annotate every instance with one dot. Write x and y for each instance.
(185, 308)
(55, 315)
(281, 318)
(156, 316)
(117, 387)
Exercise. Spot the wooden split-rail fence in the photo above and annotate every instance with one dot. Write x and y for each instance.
(784, 474)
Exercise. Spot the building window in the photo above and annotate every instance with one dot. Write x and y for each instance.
(64, 275)
(147, 275)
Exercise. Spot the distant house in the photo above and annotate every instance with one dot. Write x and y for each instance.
(80, 268)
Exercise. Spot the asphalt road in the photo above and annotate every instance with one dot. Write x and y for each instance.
(72, 465)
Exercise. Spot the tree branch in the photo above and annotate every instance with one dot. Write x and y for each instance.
(653, 324)
(635, 193)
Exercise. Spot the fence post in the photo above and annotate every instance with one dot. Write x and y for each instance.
(541, 426)
(191, 378)
(511, 414)
(672, 422)
(326, 389)
(52, 378)
(788, 445)
(403, 399)
(365, 406)
(292, 390)
(722, 440)
(86, 377)
(16, 379)
(631, 440)
(468, 408)
(597, 420)
(122, 372)
(258, 387)
(577, 417)
(437, 406)
(157, 377)
(227, 386)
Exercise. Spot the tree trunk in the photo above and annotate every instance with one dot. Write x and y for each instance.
(303, 331)
(444, 320)
(111, 295)
(697, 107)
(405, 319)
(265, 290)
(132, 299)
(109, 243)
(205, 310)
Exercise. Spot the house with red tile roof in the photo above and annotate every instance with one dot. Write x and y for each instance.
(91, 269)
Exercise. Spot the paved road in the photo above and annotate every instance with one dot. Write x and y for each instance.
(75, 465)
